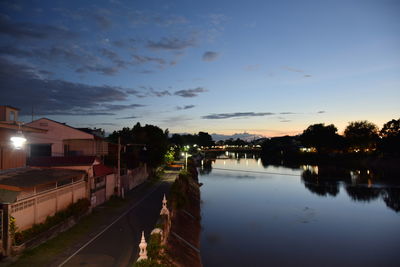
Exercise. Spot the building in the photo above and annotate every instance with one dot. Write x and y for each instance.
(101, 180)
(10, 157)
(62, 140)
(30, 195)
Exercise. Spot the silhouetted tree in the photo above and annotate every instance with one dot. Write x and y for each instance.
(280, 146)
(361, 135)
(322, 187)
(204, 139)
(390, 134)
(323, 138)
(361, 193)
(152, 137)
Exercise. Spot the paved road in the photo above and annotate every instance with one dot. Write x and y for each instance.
(118, 244)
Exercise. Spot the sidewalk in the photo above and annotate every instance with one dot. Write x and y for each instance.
(140, 210)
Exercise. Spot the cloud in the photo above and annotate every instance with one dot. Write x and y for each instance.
(321, 111)
(28, 30)
(185, 107)
(285, 121)
(236, 115)
(286, 113)
(190, 92)
(292, 69)
(23, 87)
(159, 93)
(115, 107)
(170, 43)
(307, 76)
(114, 57)
(210, 56)
(127, 118)
(145, 59)
(148, 91)
(74, 56)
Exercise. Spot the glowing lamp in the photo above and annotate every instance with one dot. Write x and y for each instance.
(18, 141)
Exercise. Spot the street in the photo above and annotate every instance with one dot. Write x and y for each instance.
(117, 244)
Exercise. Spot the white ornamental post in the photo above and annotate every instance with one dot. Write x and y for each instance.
(164, 210)
(142, 249)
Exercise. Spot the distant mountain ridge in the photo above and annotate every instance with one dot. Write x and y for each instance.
(243, 136)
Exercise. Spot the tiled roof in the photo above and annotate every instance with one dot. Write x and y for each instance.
(30, 177)
(101, 170)
(61, 161)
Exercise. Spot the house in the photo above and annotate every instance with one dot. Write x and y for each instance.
(10, 157)
(101, 180)
(30, 195)
(62, 140)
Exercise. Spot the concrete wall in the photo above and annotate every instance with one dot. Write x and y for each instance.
(35, 209)
(56, 133)
(110, 185)
(134, 178)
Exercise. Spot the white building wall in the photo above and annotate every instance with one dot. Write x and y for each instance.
(35, 209)
(56, 133)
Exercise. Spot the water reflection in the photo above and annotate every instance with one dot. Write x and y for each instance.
(362, 185)
(281, 214)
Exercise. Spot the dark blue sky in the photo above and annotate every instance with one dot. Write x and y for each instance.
(265, 67)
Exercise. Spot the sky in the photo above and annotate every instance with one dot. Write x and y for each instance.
(269, 68)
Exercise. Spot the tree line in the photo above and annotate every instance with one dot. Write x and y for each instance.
(358, 137)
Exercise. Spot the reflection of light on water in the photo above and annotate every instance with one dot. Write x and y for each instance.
(245, 155)
(226, 153)
(311, 168)
(224, 162)
(369, 183)
(259, 162)
(247, 163)
(202, 163)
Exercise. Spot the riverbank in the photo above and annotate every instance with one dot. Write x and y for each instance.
(175, 240)
(183, 244)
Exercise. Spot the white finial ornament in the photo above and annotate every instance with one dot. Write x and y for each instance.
(142, 249)
(164, 210)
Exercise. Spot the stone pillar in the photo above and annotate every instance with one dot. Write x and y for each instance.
(164, 210)
(142, 249)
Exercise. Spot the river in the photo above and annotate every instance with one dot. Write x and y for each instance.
(256, 215)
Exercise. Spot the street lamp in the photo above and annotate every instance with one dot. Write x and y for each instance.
(18, 140)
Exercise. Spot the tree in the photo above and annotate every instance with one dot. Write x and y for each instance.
(323, 138)
(361, 135)
(204, 139)
(390, 134)
(153, 138)
(391, 129)
(278, 147)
